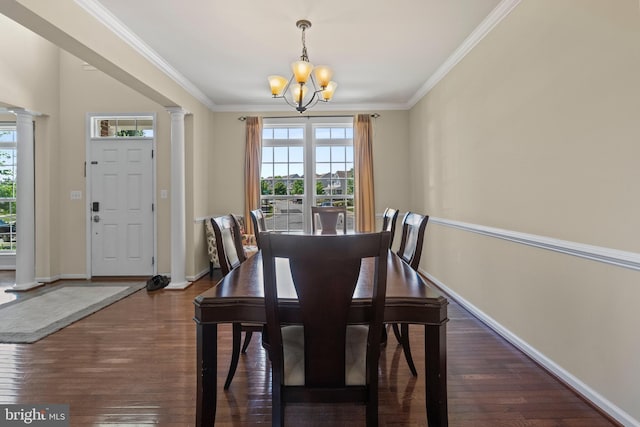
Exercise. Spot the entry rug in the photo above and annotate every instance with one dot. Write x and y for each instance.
(31, 318)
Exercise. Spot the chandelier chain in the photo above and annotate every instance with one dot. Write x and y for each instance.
(304, 56)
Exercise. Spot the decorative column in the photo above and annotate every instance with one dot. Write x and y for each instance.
(25, 205)
(178, 201)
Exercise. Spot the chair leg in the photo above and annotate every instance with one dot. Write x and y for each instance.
(383, 340)
(277, 406)
(404, 334)
(396, 332)
(247, 340)
(210, 270)
(235, 353)
(372, 404)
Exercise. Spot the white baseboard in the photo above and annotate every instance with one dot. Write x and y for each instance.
(199, 275)
(588, 393)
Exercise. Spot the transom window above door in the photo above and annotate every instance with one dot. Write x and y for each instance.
(118, 127)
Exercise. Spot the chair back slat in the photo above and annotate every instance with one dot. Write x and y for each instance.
(413, 228)
(259, 223)
(228, 242)
(389, 218)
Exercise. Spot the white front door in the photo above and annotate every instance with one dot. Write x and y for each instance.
(121, 207)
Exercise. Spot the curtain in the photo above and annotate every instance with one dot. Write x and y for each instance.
(252, 164)
(363, 179)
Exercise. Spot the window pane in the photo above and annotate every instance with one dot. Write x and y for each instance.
(296, 169)
(323, 168)
(323, 133)
(267, 170)
(297, 186)
(266, 187)
(337, 133)
(349, 154)
(296, 133)
(323, 154)
(338, 169)
(280, 154)
(267, 154)
(281, 133)
(280, 169)
(337, 154)
(296, 154)
(6, 157)
(267, 133)
(349, 133)
(7, 136)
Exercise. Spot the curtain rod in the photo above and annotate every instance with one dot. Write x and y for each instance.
(243, 118)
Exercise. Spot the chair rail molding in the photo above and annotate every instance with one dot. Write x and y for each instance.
(615, 257)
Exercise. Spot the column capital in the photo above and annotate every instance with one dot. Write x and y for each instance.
(176, 110)
(23, 112)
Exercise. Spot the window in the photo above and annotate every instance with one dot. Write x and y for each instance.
(115, 127)
(303, 165)
(8, 164)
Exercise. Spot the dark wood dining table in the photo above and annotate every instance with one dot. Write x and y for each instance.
(239, 297)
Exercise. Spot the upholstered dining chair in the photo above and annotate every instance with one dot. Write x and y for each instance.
(259, 223)
(410, 250)
(389, 218)
(325, 219)
(319, 357)
(231, 254)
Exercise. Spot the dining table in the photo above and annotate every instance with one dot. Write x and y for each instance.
(239, 297)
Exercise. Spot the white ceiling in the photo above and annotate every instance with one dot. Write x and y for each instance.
(384, 53)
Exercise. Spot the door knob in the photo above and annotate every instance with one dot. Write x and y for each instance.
(96, 218)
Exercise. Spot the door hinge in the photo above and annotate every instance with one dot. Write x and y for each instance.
(153, 207)
(152, 154)
(153, 260)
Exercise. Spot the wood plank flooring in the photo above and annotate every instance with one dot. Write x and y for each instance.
(134, 364)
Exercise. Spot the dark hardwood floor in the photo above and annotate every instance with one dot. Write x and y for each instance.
(134, 364)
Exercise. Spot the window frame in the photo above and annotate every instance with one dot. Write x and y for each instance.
(13, 146)
(309, 142)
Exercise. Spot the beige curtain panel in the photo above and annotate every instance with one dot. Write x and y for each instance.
(252, 165)
(363, 179)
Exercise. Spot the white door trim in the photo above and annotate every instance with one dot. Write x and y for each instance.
(88, 182)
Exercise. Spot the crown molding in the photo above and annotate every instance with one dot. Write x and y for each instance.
(498, 14)
(99, 12)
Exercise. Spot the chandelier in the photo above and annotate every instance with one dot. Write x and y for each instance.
(297, 86)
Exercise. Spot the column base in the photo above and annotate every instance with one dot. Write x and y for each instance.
(23, 287)
(173, 286)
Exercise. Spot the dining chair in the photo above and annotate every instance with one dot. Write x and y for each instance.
(231, 255)
(389, 218)
(410, 251)
(320, 357)
(259, 223)
(325, 219)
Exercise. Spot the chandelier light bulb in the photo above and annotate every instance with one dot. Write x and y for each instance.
(323, 75)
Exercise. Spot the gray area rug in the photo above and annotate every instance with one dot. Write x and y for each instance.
(31, 318)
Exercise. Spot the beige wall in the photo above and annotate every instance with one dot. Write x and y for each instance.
(30, 81)
(536, 131)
